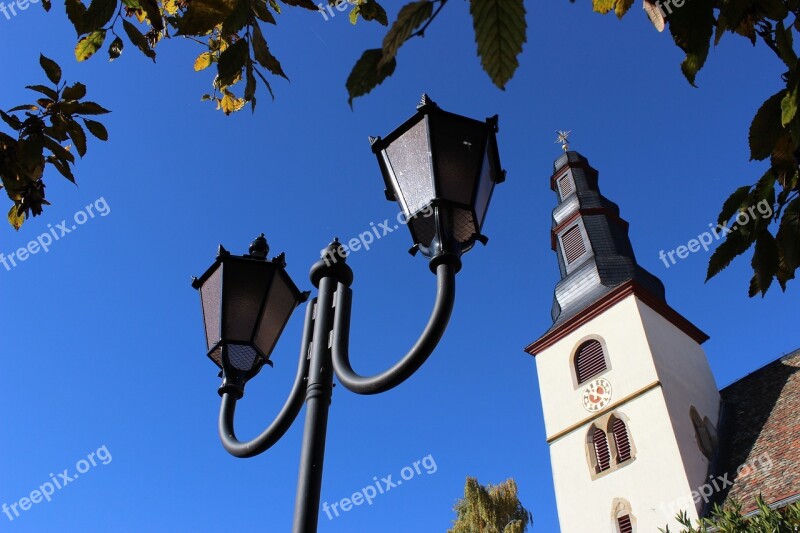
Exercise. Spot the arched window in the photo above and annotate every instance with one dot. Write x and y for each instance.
(702, 434)
(589, 361)
(624, 524)
(622, 443)
(602, 453)
(624, 521)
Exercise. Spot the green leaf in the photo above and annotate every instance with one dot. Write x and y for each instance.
(232, 61)
(15, 217)
(76, 11)
(96, 129)
(62, 168)
(91, 108)
(98, 15)
(264, 56)
(784, 40)
(78, 137)
(308, 4)
(764, 263)
(788, 237)
(766, 130)
(59, 151)
(250, 87)
(372, 10)
(202, 16)
(74, 92)
(138, 40)
(500, 31)
(24, 107)
(692, 27)
(735, 244)
(789, 107)
(733, 203)
(90, 44)
(237, 19)
(11, 120)
(153, 12)
(368, 72)
(773, 9)
(115, 48)
(260, 10)
(410, 17)
(47, 91)
(50, 68)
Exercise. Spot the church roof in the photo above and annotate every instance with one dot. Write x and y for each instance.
(760, 436)
(609, 260)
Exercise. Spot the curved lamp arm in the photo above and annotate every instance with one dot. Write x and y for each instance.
(287, 415)
(419, 353)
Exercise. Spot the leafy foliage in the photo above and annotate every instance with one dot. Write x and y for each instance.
(731, 520)
(38, 140)
(235, 48)
(490, 509)
(774, 131)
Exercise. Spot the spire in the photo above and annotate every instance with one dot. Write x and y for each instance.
(591, 242)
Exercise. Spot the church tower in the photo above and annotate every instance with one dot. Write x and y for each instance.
(630, 404)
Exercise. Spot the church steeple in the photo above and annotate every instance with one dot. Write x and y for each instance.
(591, 241)
(626, 389)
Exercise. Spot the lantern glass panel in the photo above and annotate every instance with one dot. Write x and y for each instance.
(245, 284)
(459, 145)
(409, 160)
(485, 188)
(210, 294)
(281, 301)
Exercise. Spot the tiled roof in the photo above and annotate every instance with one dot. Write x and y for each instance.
(760, 435)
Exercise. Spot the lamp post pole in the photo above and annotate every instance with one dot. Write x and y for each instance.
(326, 278)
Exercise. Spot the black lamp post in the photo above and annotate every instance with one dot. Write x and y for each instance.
(436, 162)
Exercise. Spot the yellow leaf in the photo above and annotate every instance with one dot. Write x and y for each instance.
(603, 6)
(203, 61)
(15, 218)
(171, 7)
(87, 46)
(230, 103)
(622, 7)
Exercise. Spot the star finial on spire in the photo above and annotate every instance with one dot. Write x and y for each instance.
(563, 139)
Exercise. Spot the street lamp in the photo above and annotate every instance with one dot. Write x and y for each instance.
(435, 162)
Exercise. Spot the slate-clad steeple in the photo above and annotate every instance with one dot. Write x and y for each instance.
(591, 241)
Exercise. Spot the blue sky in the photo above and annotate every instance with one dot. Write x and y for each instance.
(103, 337)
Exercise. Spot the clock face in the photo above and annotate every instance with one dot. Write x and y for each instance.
(596, 395)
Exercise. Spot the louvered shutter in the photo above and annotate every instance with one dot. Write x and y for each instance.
(601, 450)
(589, 361)
(624, 523)
(565, 187)
(621, 440)
(573, 245)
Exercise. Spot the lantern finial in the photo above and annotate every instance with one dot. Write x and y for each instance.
(259, 248)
